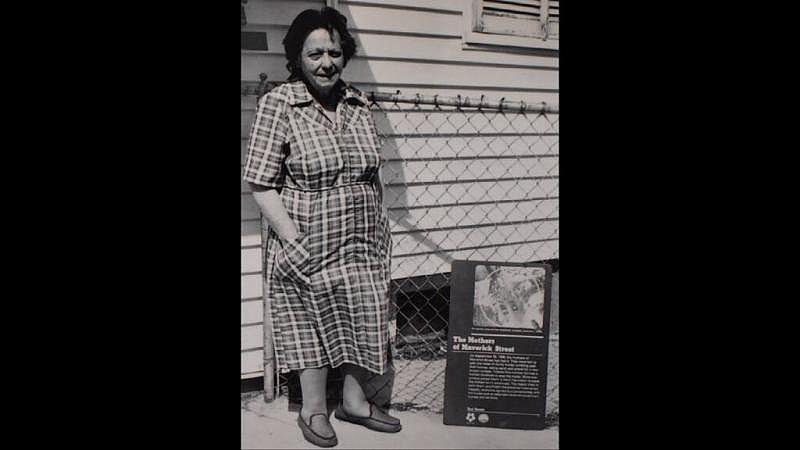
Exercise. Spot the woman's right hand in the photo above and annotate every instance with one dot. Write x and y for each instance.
(291, 261)
(271, 206)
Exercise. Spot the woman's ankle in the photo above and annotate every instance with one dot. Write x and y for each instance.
(307, 411)
(359, 407)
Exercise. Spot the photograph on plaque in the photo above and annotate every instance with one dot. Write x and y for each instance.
(509, 297)
(498, 336)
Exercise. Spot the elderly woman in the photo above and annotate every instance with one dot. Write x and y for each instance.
(312, 161)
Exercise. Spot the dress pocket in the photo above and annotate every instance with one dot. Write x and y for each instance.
(291, 262)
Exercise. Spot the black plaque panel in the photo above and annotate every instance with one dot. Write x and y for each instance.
(497, 345)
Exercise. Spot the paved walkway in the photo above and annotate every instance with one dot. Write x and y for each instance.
(272, 426)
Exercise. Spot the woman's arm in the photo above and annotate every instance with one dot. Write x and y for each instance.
(264, 163)
(273, 210)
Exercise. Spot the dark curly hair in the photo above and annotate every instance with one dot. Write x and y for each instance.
(308, 21)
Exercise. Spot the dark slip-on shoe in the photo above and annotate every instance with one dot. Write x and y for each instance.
(370, 422)
(312, 436)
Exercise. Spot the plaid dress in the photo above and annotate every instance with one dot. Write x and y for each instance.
(327, 290)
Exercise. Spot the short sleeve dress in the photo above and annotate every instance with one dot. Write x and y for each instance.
(327, 290)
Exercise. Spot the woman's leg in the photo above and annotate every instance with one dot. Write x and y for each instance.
(353, 398)
(312, 384)
(354, 401)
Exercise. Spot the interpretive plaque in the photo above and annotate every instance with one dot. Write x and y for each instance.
(497, 345)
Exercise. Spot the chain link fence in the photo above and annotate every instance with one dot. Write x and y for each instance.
(464, 179)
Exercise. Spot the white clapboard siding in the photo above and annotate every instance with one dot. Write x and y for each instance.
(476, 214)
(428, 264)
(361, 16)
(252, 312)
(414, 72)
(253, 363)
(432, 241)
(530, 96)
(415, 147)
(409, 148)
(370, 18)
(448, 216)
(467, 169)
(447, 6)
(251, 232)
(250, 209)
(402, 197)
(252, 336)
(251, 259)
(252, 286)
(373, 45)
(480, 224)
(407, 123)
(489, 127)
(419, 241)
(252, 318)
(377, 18)
(441, 49)
(456, 161)
(283, 11)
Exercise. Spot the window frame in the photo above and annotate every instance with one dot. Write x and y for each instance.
(473, 39)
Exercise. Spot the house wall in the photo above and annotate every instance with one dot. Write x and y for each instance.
(415, 46)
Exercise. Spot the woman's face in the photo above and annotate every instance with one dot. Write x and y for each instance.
(322, 60)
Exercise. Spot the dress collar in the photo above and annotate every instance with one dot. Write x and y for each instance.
(298, 93)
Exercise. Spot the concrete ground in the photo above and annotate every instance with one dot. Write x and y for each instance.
(272, 426)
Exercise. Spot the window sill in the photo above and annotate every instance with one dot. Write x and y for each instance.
(476, 40)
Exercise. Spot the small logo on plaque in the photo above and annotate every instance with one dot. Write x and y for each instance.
(470, 417)
(483, 418)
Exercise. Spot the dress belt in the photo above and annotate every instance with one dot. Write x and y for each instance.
(356, 183)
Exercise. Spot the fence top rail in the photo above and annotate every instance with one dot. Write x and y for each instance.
(259, 88)
(459, 101)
